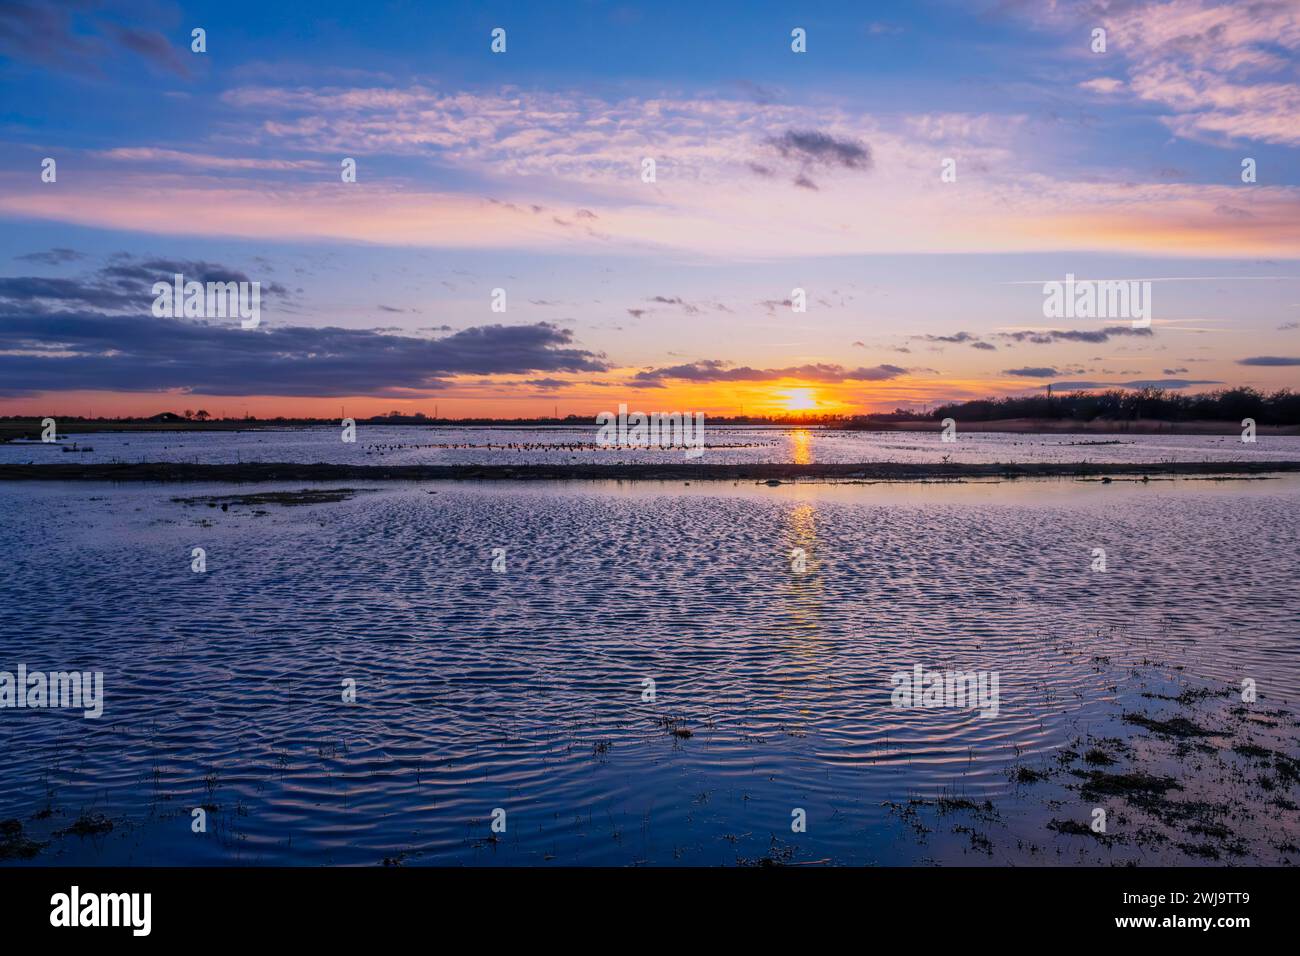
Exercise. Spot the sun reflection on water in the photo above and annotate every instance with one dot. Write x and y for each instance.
(801, 446)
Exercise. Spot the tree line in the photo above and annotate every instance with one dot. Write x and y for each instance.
(1230, 404)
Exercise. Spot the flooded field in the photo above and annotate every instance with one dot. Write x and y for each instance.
(654, 673)
(395, 445)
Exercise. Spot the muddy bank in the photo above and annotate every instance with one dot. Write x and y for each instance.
(688, 471)
(305, 496)
(1207, 778)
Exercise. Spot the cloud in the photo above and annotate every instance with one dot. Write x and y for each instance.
(815, 148)
(677, 300)
(547, 384)
(73, 293)
(1173, 383)
(566, 149)
(1269, 360)
(189, 160)
(53, 257)
(1222, 75)
(1049, 336)
(51, 351)
(1102, 84)
(124, 283)
(97, 332)
(75, 37)
(151, 45)
(1032, 372)
(716, 370)
(957, 338)
(43, 33)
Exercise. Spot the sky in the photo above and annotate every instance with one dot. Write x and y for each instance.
(919, 171)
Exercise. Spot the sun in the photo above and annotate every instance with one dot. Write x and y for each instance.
(799, 399)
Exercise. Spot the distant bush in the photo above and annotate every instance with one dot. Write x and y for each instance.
(1231, 404)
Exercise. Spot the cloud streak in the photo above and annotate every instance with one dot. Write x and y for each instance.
(716, 370)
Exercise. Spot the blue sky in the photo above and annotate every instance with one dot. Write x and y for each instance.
(776, 170)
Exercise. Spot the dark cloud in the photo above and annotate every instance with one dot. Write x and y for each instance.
(1269, 360)
(125, 283)
(74, 36)
(716, 370)
(1034, 372)
(957, 338)
(53, 257)
(1141, 383)
(1048, 336)
(151, 45)
(803, 182)
(677, 300)
(71, 293)
(125, 270)
(546, 384)
(814, 148)
(43, 33)
(58, 350)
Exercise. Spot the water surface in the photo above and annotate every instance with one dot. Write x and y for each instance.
(523, 690)
(416, 445)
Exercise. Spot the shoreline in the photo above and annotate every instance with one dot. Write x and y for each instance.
(252, 472)
(30, 429)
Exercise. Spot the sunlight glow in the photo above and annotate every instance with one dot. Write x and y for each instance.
(799, 399)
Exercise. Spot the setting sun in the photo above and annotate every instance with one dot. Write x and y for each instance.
(799, 399)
